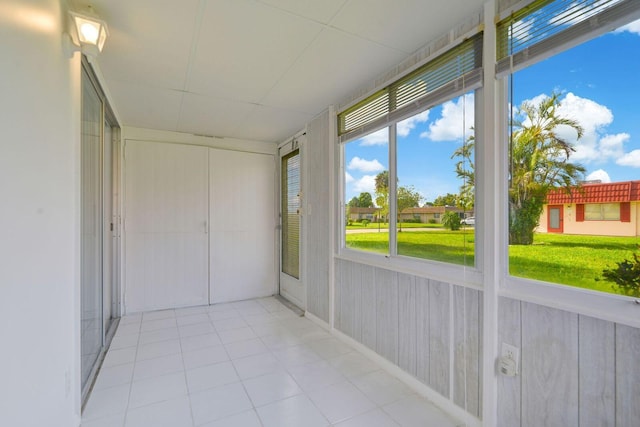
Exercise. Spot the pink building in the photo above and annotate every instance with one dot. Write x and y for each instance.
(598, 209)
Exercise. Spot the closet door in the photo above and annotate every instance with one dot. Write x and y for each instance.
(166, 226)
(242, 206)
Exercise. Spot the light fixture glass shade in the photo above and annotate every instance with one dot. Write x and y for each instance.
(91, 32)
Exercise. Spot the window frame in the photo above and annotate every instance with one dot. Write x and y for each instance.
(607, 306)
(467, 275)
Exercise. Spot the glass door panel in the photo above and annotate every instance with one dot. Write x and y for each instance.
(291, 284)
(91, 234)
(291, 214)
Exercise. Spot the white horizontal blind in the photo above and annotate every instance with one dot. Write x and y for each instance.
(546, 27)
(291, 214)
(454, 72)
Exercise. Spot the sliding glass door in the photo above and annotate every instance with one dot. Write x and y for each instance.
(96, 243)
(91, 244)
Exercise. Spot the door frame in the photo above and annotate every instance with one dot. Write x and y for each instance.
(295, 143)
(560, 229)
(109, 259)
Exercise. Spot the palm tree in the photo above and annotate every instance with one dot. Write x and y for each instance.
(539, 161)
(382, 193)
(465, 170)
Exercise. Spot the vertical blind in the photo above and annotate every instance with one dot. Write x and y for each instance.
(291, 214)
(456, 71)
(549, 26)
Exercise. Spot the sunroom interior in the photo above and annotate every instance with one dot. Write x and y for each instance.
(199, 161)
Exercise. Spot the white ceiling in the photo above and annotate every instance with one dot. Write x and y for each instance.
(256, 69)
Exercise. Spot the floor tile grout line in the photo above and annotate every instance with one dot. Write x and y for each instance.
(280, 323)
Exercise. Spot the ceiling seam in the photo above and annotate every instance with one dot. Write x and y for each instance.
(326, 26)
(302, 52)
(290, 12)
(192, 52)
(332, 26)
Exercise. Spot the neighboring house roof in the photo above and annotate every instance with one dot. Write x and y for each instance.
(628, 191)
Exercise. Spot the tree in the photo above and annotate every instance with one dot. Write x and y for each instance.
(539, 161)
(451, 220)
(362, 201)
(407, 197)
(382, 193)
(446, 200)
(465, 170)
(365, 200)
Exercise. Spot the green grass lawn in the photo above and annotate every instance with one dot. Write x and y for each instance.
(558, 258)
(441, 245)
(374, 225)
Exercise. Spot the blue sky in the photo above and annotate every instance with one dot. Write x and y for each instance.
(598, 83)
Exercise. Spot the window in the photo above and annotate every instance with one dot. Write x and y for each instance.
(602, 212)
(408, 161)
(435, 176)
(574, 139)
(366, 199)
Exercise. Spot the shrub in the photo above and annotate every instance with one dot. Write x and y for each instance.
(412, 221)
(626, 276)
(433, 221)
(365, 222)
(451, 220)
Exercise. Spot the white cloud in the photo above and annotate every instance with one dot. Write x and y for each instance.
(633, 27)
(363, 165)
(612, 146)
(630, 159)
(599, 175)
(366, 184)
(593, 118)
(595, 145)
(405, 127)
(457, 118)
(521, 30)
(348, 179)
(380, 137)
(569, 17)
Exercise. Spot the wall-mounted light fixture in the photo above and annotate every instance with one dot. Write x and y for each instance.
(88, 33)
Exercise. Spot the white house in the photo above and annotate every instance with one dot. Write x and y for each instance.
(123, 175)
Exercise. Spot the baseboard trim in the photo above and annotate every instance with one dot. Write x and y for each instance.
(318, 321)
(419, 387)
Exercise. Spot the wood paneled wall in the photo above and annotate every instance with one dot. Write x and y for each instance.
(318, 209)
(575, 370)
(432, 330)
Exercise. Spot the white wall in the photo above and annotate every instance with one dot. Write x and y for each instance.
(39, 211)
(242, 214)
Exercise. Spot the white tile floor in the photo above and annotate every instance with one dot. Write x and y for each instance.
(251, 363)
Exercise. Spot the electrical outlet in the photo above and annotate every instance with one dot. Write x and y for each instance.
(510, 351)
(509, 360)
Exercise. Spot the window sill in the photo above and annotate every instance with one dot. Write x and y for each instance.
(610, 307)
(434, 270)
